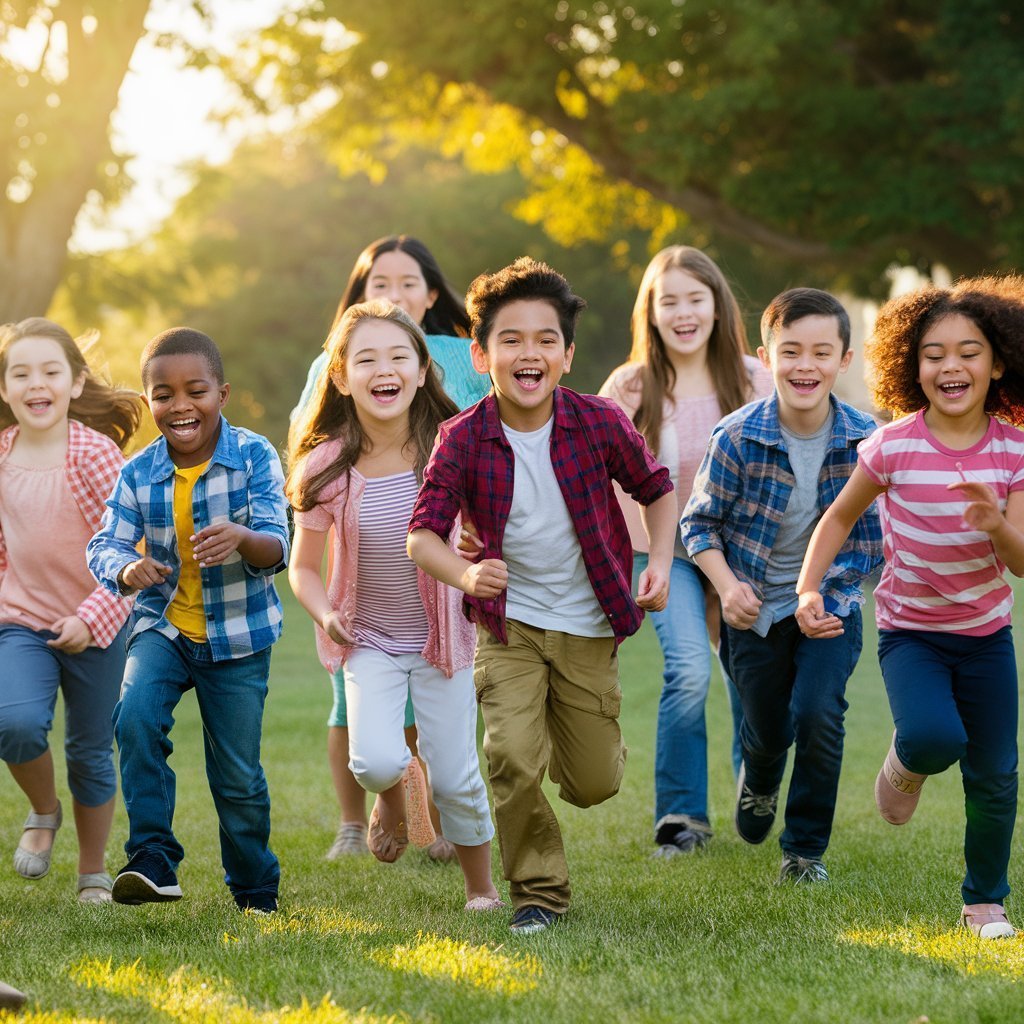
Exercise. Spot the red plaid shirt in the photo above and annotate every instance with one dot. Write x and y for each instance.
(592, 443)
(91, 467)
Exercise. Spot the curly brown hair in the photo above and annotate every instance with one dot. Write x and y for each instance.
(994, 304)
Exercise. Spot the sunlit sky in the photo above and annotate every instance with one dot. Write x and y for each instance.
(165, 117)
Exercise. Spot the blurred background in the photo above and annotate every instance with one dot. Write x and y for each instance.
(222, 163)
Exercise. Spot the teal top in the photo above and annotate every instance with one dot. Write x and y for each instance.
(462, 383)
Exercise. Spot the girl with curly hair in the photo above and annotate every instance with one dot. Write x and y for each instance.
(949, 478)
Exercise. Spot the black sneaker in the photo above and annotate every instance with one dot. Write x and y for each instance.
(755, 812)
(527, 920)
(145, 879)
(257, 902)
(801, 869)
(677, 834)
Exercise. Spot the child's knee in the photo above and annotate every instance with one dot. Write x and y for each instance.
(594, 785)
(23, 736)
(932, 752)
(92, 779)
(377, 770)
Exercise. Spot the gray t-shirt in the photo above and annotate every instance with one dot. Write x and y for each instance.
(806, 456)
(548, 586)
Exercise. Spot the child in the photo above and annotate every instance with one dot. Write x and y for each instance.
(771, 468)
(532, 466)
(395, 631)
(208, 500)
(60, 452)
(949, 476)
(403, 270)
(688, 367)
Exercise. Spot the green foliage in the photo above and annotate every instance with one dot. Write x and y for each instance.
(258, 253)
(845, 136)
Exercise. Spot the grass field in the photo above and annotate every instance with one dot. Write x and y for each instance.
(704, 938)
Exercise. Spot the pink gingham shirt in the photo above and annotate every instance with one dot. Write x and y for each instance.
(90, 467)
(450, 636)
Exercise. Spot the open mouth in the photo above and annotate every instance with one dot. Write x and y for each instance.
(953, 389)
(38, 405)
(385, 392)
(184, 429)
(528, 379)
(686, 333)
(804, 387)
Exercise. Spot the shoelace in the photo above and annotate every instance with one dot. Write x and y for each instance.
(811, 870)
(761, 804)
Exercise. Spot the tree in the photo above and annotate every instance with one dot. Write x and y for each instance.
(843, 137)
(55, 107)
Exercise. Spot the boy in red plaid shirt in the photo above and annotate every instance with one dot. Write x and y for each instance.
(531, 466)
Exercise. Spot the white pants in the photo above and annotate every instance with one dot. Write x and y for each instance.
(376, 685)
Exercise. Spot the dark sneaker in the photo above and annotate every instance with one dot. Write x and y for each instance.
(801, 869)
(527, 920)
(257, 902)
(755, 812)
(145, 879)
(680, 833)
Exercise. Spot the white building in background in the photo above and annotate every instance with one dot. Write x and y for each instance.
(853, 386)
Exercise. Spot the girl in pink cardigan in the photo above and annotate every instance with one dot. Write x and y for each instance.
(356, 458)
(61, 435)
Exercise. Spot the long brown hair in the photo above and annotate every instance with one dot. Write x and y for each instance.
(111, 410)
(330, 415)
(655, 375)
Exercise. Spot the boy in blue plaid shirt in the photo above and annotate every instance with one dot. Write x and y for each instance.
(208, 499)
(771, 470)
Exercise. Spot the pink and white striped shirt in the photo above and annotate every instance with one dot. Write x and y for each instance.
(939, 575)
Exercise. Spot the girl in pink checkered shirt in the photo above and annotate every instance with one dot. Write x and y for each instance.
(61, 435)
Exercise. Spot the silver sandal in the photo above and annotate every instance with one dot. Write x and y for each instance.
(28, 863)
(95, 887)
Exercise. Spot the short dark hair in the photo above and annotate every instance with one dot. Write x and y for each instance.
(182, 341)
(795, 304)
(525, 280)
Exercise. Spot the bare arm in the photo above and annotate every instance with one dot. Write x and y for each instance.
(660, 523)
(307, 584)
(1006, 531)
(486, 578)
(829, 536)
(740, 605)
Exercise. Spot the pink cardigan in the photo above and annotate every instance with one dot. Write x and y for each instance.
(450, 635)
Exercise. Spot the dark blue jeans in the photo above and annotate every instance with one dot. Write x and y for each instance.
(793, 692)
(954, 698)
(231, 695)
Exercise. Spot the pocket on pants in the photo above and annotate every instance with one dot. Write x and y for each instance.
(611, 702)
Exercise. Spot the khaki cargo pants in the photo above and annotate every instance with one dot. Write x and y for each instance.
(549, 700)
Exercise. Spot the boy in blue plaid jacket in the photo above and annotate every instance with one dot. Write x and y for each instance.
(208, 500)
(771, 470)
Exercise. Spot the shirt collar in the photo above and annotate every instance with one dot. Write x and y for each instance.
(225, 454)
(763, 425)
(566, 417)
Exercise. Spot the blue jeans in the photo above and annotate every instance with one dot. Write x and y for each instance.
(32, 675)
(681, 753)
(793, 690)
(231, 695)
(954, 698)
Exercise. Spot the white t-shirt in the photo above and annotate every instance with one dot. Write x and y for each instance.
(548, 586)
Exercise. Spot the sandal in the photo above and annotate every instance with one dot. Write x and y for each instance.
(95, 887)
(29, 863)
(987, 921)
(386, 846)
(417, 806)
(350, 839)
(897, 790)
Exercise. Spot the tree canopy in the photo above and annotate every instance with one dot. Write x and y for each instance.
(841, 137)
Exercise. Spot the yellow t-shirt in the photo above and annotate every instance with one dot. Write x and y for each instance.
(186, 612)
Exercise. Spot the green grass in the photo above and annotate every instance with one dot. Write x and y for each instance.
(704, 938)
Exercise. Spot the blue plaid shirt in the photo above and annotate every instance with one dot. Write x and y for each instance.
(243, 483)
(743, 486)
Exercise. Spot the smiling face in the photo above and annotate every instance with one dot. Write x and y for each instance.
(525, 356)
(382, 373)
(805, 359)
(185, 398)
(38, 384)
(683, 312)
(956, 364)
(397, 277)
